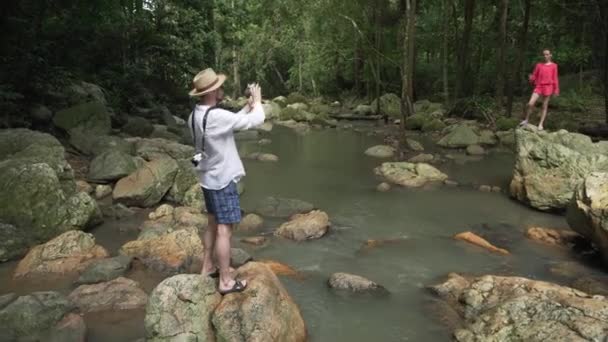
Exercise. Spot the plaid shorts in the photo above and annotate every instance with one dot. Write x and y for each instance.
(224, 204)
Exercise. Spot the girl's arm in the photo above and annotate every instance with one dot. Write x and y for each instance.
(556, 81)
(534, 75)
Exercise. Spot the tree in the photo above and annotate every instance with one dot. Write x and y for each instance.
(464, 85)
(515, 80)
(447, 7)
(408, 60)
(604, 17)
(502, 46)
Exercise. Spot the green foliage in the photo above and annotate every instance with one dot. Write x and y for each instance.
(505, 124)
(416, 121)
(433, 125)
(296, 98)
(474, 107)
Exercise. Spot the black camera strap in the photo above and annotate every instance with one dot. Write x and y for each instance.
(204, 127)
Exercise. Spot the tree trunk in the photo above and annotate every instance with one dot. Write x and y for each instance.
(409, 45)
(236, 92)
(516, 79)
(358, 66)
(502, 46)
(604, 17)
(377, 37)
(444, 50)
(463, 87)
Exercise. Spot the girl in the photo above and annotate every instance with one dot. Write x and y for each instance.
(546, 84)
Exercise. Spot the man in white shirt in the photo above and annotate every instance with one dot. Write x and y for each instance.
(220, 168)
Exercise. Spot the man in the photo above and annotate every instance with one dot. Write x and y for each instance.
(220, 168)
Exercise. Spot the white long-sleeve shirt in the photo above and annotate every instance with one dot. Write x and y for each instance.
(223, 164)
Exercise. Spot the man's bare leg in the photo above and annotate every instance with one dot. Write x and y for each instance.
(222, 250)
(544, 112)
(530, 108)
(209, 239)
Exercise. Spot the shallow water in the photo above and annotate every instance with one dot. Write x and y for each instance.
(328, 168)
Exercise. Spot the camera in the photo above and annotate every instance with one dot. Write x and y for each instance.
(197, 159)
(248, 93)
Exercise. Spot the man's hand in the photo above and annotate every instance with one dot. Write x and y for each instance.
(256, 93)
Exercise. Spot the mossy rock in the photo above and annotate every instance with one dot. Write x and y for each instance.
(296, 98)
(433, 126)
(390, 105)
(416, 121)
(138, 127)
(505, 124)
(91, 116)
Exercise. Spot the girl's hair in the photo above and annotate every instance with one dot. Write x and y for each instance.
(548, 50)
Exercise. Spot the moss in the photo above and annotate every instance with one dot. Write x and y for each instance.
(505, 124)
(92, 116)
(296, 98)
(433, 125)
(416, 121)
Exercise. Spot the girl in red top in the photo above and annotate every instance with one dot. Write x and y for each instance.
(546, 84)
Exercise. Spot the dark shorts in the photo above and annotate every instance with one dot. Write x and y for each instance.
(224, 204)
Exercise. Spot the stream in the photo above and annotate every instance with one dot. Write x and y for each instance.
(328, 168)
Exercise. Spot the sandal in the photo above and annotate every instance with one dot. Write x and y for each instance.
(237, 287)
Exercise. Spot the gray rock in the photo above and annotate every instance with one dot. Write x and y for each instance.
(102, 190)
(157, 148)
(414, 145)
(114, 295)
(250, 222)
(41, 114)
(239, 257)
(312, 225)
(13, 242)
(354, 283)
(487, 137)
(93, 144)
(380, 151)
(383, 187)
(110, 166)
(105, 270)
(148, 185)
(90, 116)
(550, 166)
(282, 207)
(185, 179)
(460, 136)
(475, 150)
(390, 104)
(363, 110)
(409, 174)
(422, 158)
(138, 127)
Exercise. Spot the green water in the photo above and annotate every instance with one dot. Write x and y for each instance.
(328, 168)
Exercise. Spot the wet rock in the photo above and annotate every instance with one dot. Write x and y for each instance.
(409, 174)
(451, 183)
(239, 257)
(552, 236)
(568, 269)
(299, 127)
(592, 285)
(91, 116)
(506, 138)
(305, 226)
(255, 240)
(70, 252)
(263, 312)
(496, 189)
(117, 211)
(550, 166)
(460, 136)
(110, 166)
(380, 151)
(477, 240)
(370, 244)
(485, 188)
(280, 269)
(82, 186)
(158, 148)
(263, 157)
(353, 283)
(180, 309)
(138, 127)
(13, 242)
(146, 186)
(518, 309)
(118, 294)
(414, 145)
(250, 222)
(282, 207)
(105, 270)
(487, 137)
(383, 187)
(588, 211)
(475, 150)
(167, 251)
(422, 158)
(40, 316)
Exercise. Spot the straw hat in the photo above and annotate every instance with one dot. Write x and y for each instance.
(206, 81)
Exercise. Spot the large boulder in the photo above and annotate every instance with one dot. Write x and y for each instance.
(185, 179)
(587, 212)
(180, 309)
(80, 92)
(114, 295)
(166, 250)
(138, 127)
(497, 308)
(91, 116)
(40, 316)
(147, 185)
(410, 174)
(390, 104)
(110, 166)
(282, 207)
(93, 144)
(459, 137)
(13, 242)
(380, 151)
(312, 225)
(550, 166)
(157, 148)
(70, 252)
(264, 312)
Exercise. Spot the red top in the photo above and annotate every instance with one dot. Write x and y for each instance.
(546, 74)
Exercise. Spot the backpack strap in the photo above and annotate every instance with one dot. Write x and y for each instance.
(204, 127)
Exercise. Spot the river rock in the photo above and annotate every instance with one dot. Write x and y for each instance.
(592, 285)
(265, 127)
(272, 110)
(302, 227)
(250, 222)
(460, 136)
(71, 251)
(180, 309)
(264, 142)
(138, 127)
(263, 157)
(263, 312)
(148, 184)
(477, 240)
(550, 166)
(588, 211)
(83, 186)
(255, 240)
(552, 236)
(93, 144)
(190, 217)
(475, 150)
(487, 137)
(353, 283)
(380, 151)
(102, 190)
(390, 105)
(300, 128)
(110, 166)
(422, 158)
(239, 257)
(383, 187)
(409, 174)
(506, 138)
(414, 145)
(91, 116)
(13, 242)
(114, 295)
(497, 308)
(184, 180)
(168, 251)
(105, 270)
(282, 207)
(158, 148)
(363, 110)
(40, 316)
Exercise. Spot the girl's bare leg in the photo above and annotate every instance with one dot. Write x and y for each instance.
(544, 112)
(530, 107)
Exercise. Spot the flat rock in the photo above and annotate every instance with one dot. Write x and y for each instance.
(102, 270)
(147, 185)
(114, 295)
(302, 227)
(410, 174)
(380, 151)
